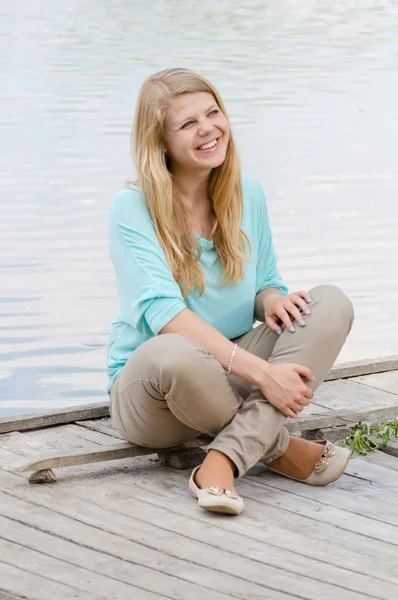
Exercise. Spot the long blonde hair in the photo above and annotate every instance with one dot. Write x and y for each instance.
(166, 209)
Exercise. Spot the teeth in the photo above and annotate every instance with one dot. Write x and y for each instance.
(209, 145)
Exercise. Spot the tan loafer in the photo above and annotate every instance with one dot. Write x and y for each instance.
(216, 499)
(330, 466)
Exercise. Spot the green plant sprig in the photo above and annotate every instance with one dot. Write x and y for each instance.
(361, 437)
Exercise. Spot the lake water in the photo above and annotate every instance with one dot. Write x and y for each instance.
(311, 89)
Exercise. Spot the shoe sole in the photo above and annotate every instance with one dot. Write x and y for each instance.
(226, 510)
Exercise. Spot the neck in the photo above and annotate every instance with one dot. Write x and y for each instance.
(192, 187)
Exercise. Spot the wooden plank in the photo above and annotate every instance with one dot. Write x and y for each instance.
(148, 516)
(22, 583)
(274, 526)
(254, 489)
(98, 572)
(115, 576)
(294, 533)
(345, 394)
(255, 523)
(102, 425)
(113, 534)
(383, 460)
(254, 578)
(339, 418)
(115, 452)
(85, 580)
(54, 417)
(363, 367)
(338, 496)
(5, 596)
(381, 381)
(378, 475)
(341, 519)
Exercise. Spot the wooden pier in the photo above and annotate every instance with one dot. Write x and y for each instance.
(118, 522)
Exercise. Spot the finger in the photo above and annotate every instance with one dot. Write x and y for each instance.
(306, 295)
(284, 317)
(295, 313)
(273, 325)
(289, 412)
(308, 393)
(304, 401)
(304, 371)
(298, 301)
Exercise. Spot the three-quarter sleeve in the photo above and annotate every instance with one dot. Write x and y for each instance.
(267, 274)
(148, 293)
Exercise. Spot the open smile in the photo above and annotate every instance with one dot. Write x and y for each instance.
(210, 146)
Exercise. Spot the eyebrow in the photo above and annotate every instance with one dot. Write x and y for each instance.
(186, 119)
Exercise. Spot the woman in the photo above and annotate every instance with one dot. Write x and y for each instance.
(195, 267)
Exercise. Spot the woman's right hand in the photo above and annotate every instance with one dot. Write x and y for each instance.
(283, 387)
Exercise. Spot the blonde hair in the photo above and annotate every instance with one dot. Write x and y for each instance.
(166, 209)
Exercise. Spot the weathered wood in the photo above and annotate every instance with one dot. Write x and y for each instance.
(332, 434)
(54, 417)
(271, 524)
(111, 531)
(284, 527)
(117, 451)
(30, 586)
(62, 572)
(340, 418)
(387, 382)
(346, 394)
(104, 425)
(363, 367)
(381, 476)
(107, 574)
(205, 558)
(5, 596)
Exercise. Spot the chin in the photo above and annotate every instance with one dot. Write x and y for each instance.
(219, 161)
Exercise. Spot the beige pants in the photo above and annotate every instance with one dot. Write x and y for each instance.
(171, 389)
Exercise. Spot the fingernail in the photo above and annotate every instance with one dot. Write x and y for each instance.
(279, 332)
(292, 329)
(309, 299)
(307, 311)
(313, 378)
(302, 322)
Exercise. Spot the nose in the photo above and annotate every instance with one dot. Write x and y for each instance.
(205, 127)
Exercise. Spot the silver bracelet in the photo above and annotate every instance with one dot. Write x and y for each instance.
(231, 359)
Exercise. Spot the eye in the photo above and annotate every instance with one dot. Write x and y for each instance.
(187, 124)
(214, 112)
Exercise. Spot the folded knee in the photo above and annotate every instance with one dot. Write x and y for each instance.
(336, 307)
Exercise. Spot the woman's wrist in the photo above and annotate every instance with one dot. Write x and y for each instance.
(249, 366)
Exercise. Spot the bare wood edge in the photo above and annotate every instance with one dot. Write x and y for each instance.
(51, 418)
(114, 452)
(127, 450)
(363, 367)
(340, 418)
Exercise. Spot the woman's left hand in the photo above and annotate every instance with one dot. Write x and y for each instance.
(284, 309)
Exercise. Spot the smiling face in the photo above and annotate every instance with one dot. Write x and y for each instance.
(197, 133)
